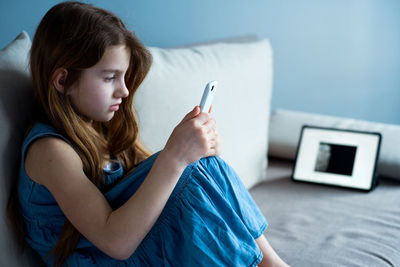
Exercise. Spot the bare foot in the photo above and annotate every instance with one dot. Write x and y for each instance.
(270, 258)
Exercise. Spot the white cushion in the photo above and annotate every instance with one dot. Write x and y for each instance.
(15, 107)
(285, 127)
(241, 104)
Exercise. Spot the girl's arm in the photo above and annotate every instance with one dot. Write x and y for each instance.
(54, 164)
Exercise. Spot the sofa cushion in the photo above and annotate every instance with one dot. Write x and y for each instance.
(285, 127)
(241, 104)
(15, 107)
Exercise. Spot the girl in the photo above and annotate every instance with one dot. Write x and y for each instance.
(91, 194)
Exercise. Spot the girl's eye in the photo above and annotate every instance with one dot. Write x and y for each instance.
(110, 78)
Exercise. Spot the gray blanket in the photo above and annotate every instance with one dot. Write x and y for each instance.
(315, 225)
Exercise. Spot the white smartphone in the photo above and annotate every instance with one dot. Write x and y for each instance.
(208, 95)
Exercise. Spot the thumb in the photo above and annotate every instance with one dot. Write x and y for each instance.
(192, 114)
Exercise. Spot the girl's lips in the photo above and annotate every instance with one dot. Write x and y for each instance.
(114, 107)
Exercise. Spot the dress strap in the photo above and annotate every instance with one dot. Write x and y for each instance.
(40, 130)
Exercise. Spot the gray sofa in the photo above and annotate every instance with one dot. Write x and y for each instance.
(309, 225)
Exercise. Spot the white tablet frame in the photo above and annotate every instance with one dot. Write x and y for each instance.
(363, 175)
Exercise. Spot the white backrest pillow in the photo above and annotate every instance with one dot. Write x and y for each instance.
(241, 104)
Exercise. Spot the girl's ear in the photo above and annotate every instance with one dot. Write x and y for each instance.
(59, 78)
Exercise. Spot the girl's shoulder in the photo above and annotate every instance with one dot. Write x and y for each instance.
(46, 152)
(40, 130)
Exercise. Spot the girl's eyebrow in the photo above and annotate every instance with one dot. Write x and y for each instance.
(112, 70)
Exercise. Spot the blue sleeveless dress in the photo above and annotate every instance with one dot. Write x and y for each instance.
(209, 220)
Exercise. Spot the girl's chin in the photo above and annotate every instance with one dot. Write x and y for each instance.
(102, 120)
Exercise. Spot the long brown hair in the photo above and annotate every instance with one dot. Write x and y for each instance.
(74, 36)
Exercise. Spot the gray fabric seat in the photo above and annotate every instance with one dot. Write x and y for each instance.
(315, 225)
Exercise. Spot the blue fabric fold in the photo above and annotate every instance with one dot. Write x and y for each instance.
(209, 219)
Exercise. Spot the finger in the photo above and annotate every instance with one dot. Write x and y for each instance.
(210, 125)
(214, 142)
(202, 118)
(209, 111)
(216, 148)
(214, 151)
(192, 114)
(212, 133)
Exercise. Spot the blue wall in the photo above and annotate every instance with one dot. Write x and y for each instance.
(335, 57)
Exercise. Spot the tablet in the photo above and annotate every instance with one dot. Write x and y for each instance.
(336, 157)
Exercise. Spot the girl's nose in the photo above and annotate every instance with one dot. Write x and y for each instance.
(122, 92)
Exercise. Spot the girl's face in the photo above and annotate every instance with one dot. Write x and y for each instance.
(101, 88)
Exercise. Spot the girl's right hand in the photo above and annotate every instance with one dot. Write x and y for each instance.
(195, 137)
